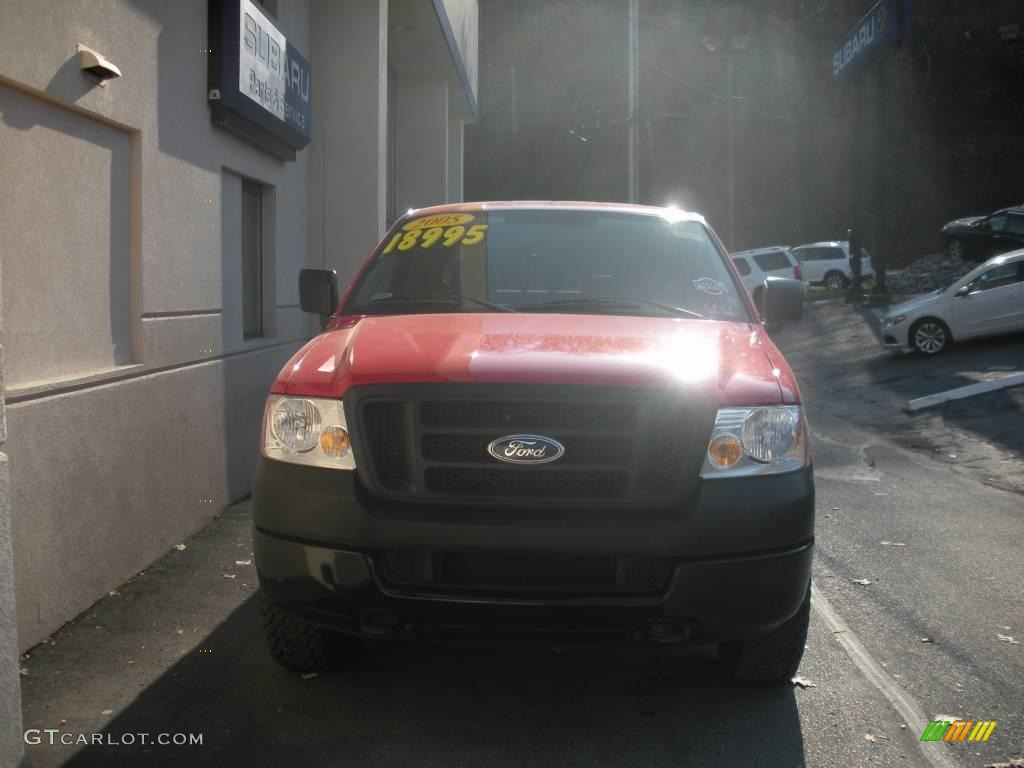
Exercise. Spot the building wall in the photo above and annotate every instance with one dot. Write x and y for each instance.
(133, 395)
(133, 400)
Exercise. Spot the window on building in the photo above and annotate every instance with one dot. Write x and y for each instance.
(252, 259)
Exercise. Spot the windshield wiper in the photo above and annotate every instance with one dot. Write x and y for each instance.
(615, 303)
(432, 300)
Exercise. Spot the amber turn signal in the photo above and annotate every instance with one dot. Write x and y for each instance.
(724, 451)
(335, 442)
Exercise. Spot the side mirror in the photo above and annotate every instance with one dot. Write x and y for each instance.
(783, 299)
(318, 291)
(963, 290)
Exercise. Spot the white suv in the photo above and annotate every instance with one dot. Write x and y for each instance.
(828, 264)
(755, 265)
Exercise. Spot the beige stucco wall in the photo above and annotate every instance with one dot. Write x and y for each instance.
(134, 402)
(133, 396)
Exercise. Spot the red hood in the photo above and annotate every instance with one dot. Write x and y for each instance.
(732, 361)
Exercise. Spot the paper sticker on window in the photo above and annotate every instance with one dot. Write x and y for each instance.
(710, 286)
(440, 220)
(449, 236)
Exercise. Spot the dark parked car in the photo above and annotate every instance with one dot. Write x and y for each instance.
(976, 238)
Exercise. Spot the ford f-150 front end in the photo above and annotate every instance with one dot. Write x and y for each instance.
(546, 422)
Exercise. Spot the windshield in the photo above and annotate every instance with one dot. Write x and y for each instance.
(595, 262)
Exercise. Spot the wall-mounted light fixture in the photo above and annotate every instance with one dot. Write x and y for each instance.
(96, 64)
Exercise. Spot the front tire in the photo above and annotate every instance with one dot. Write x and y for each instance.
(835, 281)
(774, 658)
(293, 643)
(930, 336)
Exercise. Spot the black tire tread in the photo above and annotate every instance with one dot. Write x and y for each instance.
(774, 658)
(293, 643)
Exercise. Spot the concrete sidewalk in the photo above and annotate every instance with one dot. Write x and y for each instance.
(89, 674)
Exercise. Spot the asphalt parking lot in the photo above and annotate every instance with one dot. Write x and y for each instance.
(844, 372)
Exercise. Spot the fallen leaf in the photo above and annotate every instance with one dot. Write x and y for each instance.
(1008, 639)
(862, 582)
(893, 544)
(803, 682)
(107, 712)
(179, 547)
(228, 575)
(23, 672)
(243, 562)
(870, 738)
(929, 639)
(309, 675)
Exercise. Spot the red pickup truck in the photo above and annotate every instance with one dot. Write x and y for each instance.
(538, 421)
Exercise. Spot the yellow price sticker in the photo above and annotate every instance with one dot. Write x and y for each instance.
(440, 220)
(451, 236)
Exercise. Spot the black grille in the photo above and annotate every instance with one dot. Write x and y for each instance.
(526, 415)
(523, 572)
(620, 446)
(389, 446)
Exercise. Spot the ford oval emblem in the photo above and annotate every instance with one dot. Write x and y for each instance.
(526, 449)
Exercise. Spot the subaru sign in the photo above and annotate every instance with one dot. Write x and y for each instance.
(258, 83)
(882, 24)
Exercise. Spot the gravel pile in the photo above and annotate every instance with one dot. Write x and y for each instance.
(928, 273)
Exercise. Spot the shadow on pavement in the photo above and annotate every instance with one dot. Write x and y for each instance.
(402, 705)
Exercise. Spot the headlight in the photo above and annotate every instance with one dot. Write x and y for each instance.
(307, 430)
(766, 440)
(891, 321)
